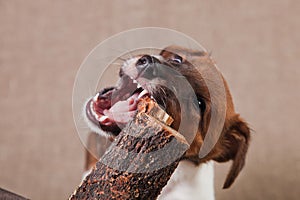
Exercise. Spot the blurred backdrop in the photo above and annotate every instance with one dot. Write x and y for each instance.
(42, 44)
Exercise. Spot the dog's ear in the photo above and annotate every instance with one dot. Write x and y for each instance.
(235, 146)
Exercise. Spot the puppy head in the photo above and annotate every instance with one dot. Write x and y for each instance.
(165, 78)
(234, 138)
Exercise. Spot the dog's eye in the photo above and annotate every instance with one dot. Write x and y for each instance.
(177, 59)
(201, 104)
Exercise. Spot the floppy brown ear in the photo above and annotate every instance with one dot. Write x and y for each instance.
(236, 141)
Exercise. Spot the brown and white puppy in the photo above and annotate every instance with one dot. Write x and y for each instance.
(159, 76)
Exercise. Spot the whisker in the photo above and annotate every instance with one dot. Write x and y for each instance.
(123, 59)
(90, 90)
(81, 118)
(129, 53)
(150, 51)
(118, 64)
(84, 127)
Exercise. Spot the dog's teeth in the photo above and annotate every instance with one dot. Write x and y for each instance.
(134, 81)
(139, 85)
(93, 112)
(103, 118)
(95, 98)
(144, 92)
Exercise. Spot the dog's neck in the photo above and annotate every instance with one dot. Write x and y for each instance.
(190, 182)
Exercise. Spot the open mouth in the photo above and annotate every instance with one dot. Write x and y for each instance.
(112, 108)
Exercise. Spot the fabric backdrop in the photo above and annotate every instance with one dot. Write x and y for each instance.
(42, 44)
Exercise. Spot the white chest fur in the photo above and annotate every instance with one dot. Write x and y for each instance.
(190, 182)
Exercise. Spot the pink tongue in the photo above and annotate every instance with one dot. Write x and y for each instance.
(123, 111)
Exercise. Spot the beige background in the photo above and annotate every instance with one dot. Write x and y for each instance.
(42, 44)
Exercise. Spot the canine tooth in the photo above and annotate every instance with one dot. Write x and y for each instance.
(93, 112)
(142, 93)
(95, 98)
(134, 81)
(139, 85)
(103, 118)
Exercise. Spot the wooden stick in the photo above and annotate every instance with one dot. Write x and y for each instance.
(139, 162)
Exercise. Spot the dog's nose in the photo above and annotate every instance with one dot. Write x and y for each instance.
(144, 62)
(147, 66)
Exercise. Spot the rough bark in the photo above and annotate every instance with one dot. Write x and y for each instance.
(139, 162)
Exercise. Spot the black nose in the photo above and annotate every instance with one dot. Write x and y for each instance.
(144, 62)
(148, 66)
